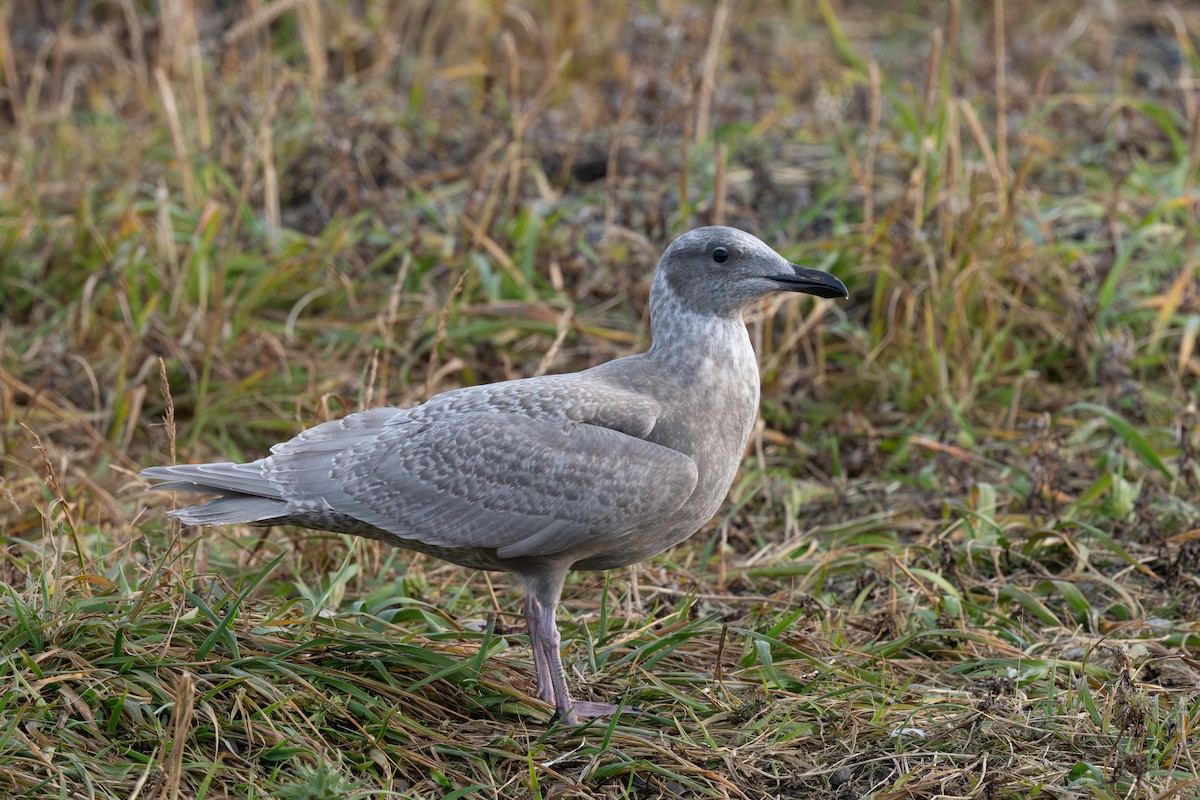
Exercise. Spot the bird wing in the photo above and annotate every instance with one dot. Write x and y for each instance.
(504, 467)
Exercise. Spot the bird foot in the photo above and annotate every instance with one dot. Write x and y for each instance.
(585, 710)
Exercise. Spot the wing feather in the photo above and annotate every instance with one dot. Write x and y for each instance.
(524, 487)
(527, 468)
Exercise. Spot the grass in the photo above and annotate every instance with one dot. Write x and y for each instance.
(960, 560)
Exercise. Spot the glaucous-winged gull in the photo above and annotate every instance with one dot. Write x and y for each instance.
(588, 470)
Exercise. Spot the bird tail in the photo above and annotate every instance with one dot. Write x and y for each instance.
(244, 495)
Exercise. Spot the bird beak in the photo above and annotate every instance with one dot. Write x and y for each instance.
(811, 281)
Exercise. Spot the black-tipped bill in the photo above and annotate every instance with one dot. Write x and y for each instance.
(811, 281)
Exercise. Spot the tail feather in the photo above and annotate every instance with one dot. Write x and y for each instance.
(231, 510)
(217, 478)
(300, 470)
(245, 495)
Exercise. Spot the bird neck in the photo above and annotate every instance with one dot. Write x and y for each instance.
(683, 336)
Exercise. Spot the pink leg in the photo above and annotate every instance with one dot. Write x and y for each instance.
(551, 678)
(545, 691)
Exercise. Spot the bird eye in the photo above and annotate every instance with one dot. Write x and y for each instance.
(720, 255)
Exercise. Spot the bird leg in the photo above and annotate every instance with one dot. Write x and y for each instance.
(546, 642)
(545, 690)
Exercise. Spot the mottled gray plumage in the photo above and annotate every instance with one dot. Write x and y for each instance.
(589, 470)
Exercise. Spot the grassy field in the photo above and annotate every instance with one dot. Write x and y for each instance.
(961, 559)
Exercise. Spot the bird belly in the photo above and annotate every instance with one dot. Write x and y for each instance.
(470, 557)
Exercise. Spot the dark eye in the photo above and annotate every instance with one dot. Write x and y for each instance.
(720, 255)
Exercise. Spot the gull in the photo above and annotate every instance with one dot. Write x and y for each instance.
(588, 470)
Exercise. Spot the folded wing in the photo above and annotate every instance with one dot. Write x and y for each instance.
(497, 474)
